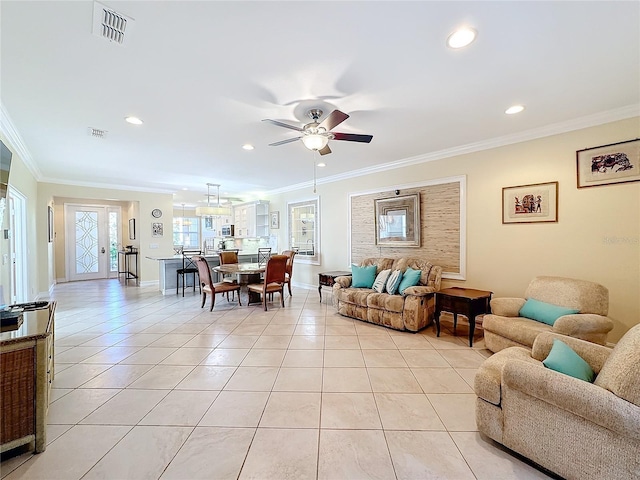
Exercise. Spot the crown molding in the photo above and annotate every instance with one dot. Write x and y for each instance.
(17, 144)
(596, 119)
(108, 186)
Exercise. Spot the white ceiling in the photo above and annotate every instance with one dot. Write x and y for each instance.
(202, 75)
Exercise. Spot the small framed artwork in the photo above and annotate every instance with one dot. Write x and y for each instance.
(398, 221)
(132, 229)
(50, 224)
(530, 203)
(608, 164)
(157, 229)
(275, 220)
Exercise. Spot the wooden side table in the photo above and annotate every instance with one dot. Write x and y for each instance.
(327, 279)
(463, 301)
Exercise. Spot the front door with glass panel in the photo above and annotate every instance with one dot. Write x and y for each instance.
(88, 245)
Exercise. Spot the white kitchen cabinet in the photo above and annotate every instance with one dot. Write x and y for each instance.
(251, 219)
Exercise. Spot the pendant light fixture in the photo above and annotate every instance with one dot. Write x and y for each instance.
(210, 211)
(185, 221)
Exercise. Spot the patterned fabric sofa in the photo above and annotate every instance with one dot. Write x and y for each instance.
(411, 311)
(576, 429)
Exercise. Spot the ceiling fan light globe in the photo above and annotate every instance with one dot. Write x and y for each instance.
(315, 142)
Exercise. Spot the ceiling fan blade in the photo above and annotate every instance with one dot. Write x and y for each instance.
(334, 119)
(282, 142)
(285, 125)
(325, 151)
(352, 137)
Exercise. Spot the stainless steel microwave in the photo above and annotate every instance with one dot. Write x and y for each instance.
(227, 231)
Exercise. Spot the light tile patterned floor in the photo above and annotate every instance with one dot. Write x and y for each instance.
(152, 386)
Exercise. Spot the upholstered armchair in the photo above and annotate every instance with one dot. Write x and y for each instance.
(504, 327)
(576, 429)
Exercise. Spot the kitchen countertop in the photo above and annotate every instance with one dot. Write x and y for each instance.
(208, 256)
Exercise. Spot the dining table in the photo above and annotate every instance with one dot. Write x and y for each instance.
(246, 273)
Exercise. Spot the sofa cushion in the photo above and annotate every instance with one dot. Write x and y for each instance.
(544, 312)
(410, 278)
(363, 277)
(394, 281)
(384, 301)
(621, 372)
(355, 296)
(381, 280)
(562, 358)
(520, 330)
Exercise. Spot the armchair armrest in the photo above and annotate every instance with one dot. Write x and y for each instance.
(583, 399)
(579, 324)
(592, 353)
(507, 307)
(343, 282)
(419, 291)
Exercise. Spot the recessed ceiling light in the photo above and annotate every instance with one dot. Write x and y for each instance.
(462, 37)
(133, 120)
(322, 164)
(247, 146)
(514, 109)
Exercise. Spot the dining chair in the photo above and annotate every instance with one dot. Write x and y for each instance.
(211, 288)
(226, 257)
(264, 254)
(188, 267)
(273, 279)
(289, 271)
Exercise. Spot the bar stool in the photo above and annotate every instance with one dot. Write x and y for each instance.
(188, 266)
(264, 254)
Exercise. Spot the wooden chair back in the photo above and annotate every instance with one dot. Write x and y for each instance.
(275, 270)
(204, 271)
(290, 255)
(230, 256)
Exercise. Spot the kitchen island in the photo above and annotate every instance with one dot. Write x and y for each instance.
(169, 264)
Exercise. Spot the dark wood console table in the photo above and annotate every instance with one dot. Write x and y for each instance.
(463, 301)
(327, 279)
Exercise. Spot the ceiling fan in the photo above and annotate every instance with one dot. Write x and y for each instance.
(316, 135)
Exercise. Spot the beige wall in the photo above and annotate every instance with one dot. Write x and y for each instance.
(21, 179)
(597, 236)
(138, 204)
(126, 212)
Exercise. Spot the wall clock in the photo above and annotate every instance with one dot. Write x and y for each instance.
(156, 213)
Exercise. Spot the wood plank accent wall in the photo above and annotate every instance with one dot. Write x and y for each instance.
(439, 223)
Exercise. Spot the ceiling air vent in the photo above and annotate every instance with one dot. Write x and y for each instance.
(97, 133)
(111, 25)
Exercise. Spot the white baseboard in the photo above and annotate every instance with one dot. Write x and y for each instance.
(150, 283)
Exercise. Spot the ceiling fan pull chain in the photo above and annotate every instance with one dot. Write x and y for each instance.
(314, 170)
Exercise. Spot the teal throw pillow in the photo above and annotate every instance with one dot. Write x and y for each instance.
(563, 359)
(363, 277)
(410, 278)
(544, 312)
(394, 282)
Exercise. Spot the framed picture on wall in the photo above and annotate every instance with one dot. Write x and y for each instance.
(275, 220)
(132, 229)
(608, 164)
(533, 203)
(50, 224)
(398, 221)
(157, 229)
